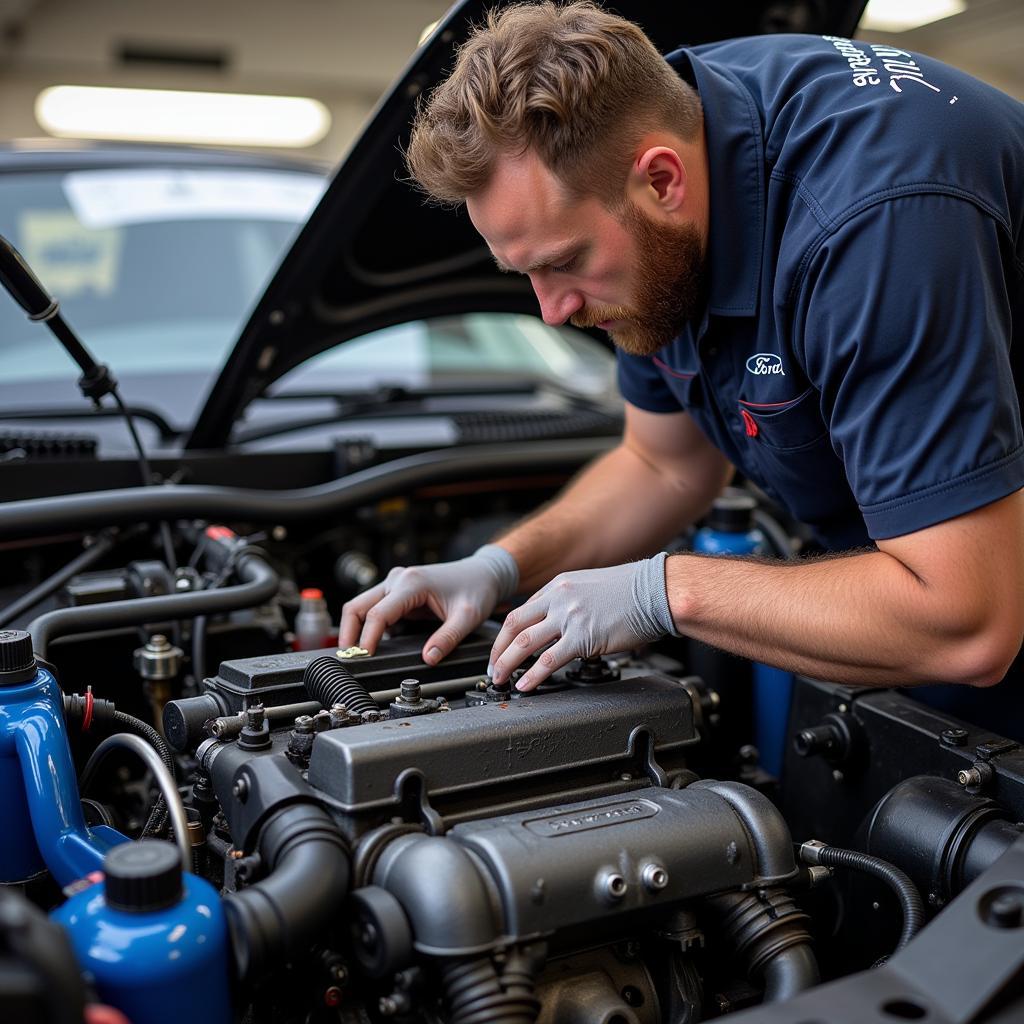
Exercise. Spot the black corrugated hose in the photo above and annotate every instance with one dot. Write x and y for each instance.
(477, 994)
(128, 723)
(330, 683)
(898, 881)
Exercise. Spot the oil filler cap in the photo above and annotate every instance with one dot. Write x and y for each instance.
(17, 660)
(143, 876)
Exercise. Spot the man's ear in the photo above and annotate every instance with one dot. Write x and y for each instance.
(658, 179)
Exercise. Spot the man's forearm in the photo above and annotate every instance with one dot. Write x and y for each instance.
(863, 619)
(619, 508)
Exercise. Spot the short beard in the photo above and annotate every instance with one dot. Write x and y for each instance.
(670, 289)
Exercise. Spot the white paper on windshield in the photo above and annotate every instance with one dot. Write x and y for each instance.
(112, 198)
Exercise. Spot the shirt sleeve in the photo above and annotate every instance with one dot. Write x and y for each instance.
(904, 323)
(642, 385)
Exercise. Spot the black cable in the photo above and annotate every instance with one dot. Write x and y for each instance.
(898, 881)
(147, 477)
(129, 723)
(90, 556)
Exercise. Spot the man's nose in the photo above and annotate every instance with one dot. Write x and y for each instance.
(557, 303)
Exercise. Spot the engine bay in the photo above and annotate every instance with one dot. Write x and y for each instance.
(336, 836)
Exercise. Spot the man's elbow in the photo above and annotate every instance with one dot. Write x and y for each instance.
(983, 659)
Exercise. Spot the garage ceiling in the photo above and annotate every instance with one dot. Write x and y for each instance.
(343, 52)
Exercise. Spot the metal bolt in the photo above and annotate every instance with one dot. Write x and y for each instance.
(654, 877)
(240, 790)
(371, 716)
(1005, 911)
(969, 777)
(279, 533)
(409, 691)
(953, 737)
(322, 721)
(304, 724)
(339, 973)
(842, 709)
(254, 717)
(218, 727)
(614, 886)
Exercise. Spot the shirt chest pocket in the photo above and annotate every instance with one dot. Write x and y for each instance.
(785, 426)
(790, 453)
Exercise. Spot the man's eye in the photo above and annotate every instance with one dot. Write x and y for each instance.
(565, 267)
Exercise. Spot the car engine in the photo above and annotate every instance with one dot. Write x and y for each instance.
(326, 835)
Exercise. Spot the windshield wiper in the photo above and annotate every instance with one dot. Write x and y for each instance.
(394, 400)
(165, 430)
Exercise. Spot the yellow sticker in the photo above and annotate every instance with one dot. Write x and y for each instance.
(353, 652)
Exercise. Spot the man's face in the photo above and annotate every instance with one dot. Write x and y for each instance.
(638, 279)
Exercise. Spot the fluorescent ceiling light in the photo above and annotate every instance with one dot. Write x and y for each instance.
(162, 115)
(901, 15)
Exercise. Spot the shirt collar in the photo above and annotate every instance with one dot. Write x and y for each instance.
(732, 130)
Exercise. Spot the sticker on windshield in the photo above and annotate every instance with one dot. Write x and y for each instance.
(112, 198)
(67, 257)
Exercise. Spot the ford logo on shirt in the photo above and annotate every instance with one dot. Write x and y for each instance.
(765, 364)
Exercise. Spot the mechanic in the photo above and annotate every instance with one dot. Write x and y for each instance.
(809, 253)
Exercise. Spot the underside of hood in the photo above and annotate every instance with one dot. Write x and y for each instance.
(374, 253)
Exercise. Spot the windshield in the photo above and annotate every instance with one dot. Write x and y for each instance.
(156, 269)
(474, 346)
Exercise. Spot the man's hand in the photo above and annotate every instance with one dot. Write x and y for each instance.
(583, 613)
(462, 594)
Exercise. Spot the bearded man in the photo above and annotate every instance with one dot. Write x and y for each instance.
(809, 253)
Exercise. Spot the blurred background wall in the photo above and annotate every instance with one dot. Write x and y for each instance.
(340, 52)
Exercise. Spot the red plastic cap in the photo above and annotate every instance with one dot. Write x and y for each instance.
(220, 533)
(312, 594)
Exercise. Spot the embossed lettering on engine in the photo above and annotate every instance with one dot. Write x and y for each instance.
(600, 817)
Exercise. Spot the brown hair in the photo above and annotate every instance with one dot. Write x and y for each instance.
(577, 85)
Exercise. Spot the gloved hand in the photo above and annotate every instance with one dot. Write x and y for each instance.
(583, 613)
(461, 593)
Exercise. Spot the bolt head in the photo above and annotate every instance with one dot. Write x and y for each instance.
(1005, 911)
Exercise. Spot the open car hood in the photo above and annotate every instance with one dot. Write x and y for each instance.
(374, 254)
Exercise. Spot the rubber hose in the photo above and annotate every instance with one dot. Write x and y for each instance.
(788, 973)
(769, 931)
(128, 723)
(300, 897)
(900, 883)
(476, 994)
(259, 584)
(330, 683)
(36, 516)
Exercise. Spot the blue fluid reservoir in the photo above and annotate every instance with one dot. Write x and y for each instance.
(730, 530)
(43, 825)
(153, 938)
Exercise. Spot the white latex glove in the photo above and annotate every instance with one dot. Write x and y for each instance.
(462, 594)
(584, 613)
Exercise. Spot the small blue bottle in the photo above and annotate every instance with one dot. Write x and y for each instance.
(729, 530)
(153, 938)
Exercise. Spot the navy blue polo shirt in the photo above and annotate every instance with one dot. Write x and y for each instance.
(866, 283)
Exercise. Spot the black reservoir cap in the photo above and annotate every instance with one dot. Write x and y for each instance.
(17, 659)
(143, 876)
(732, 513)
